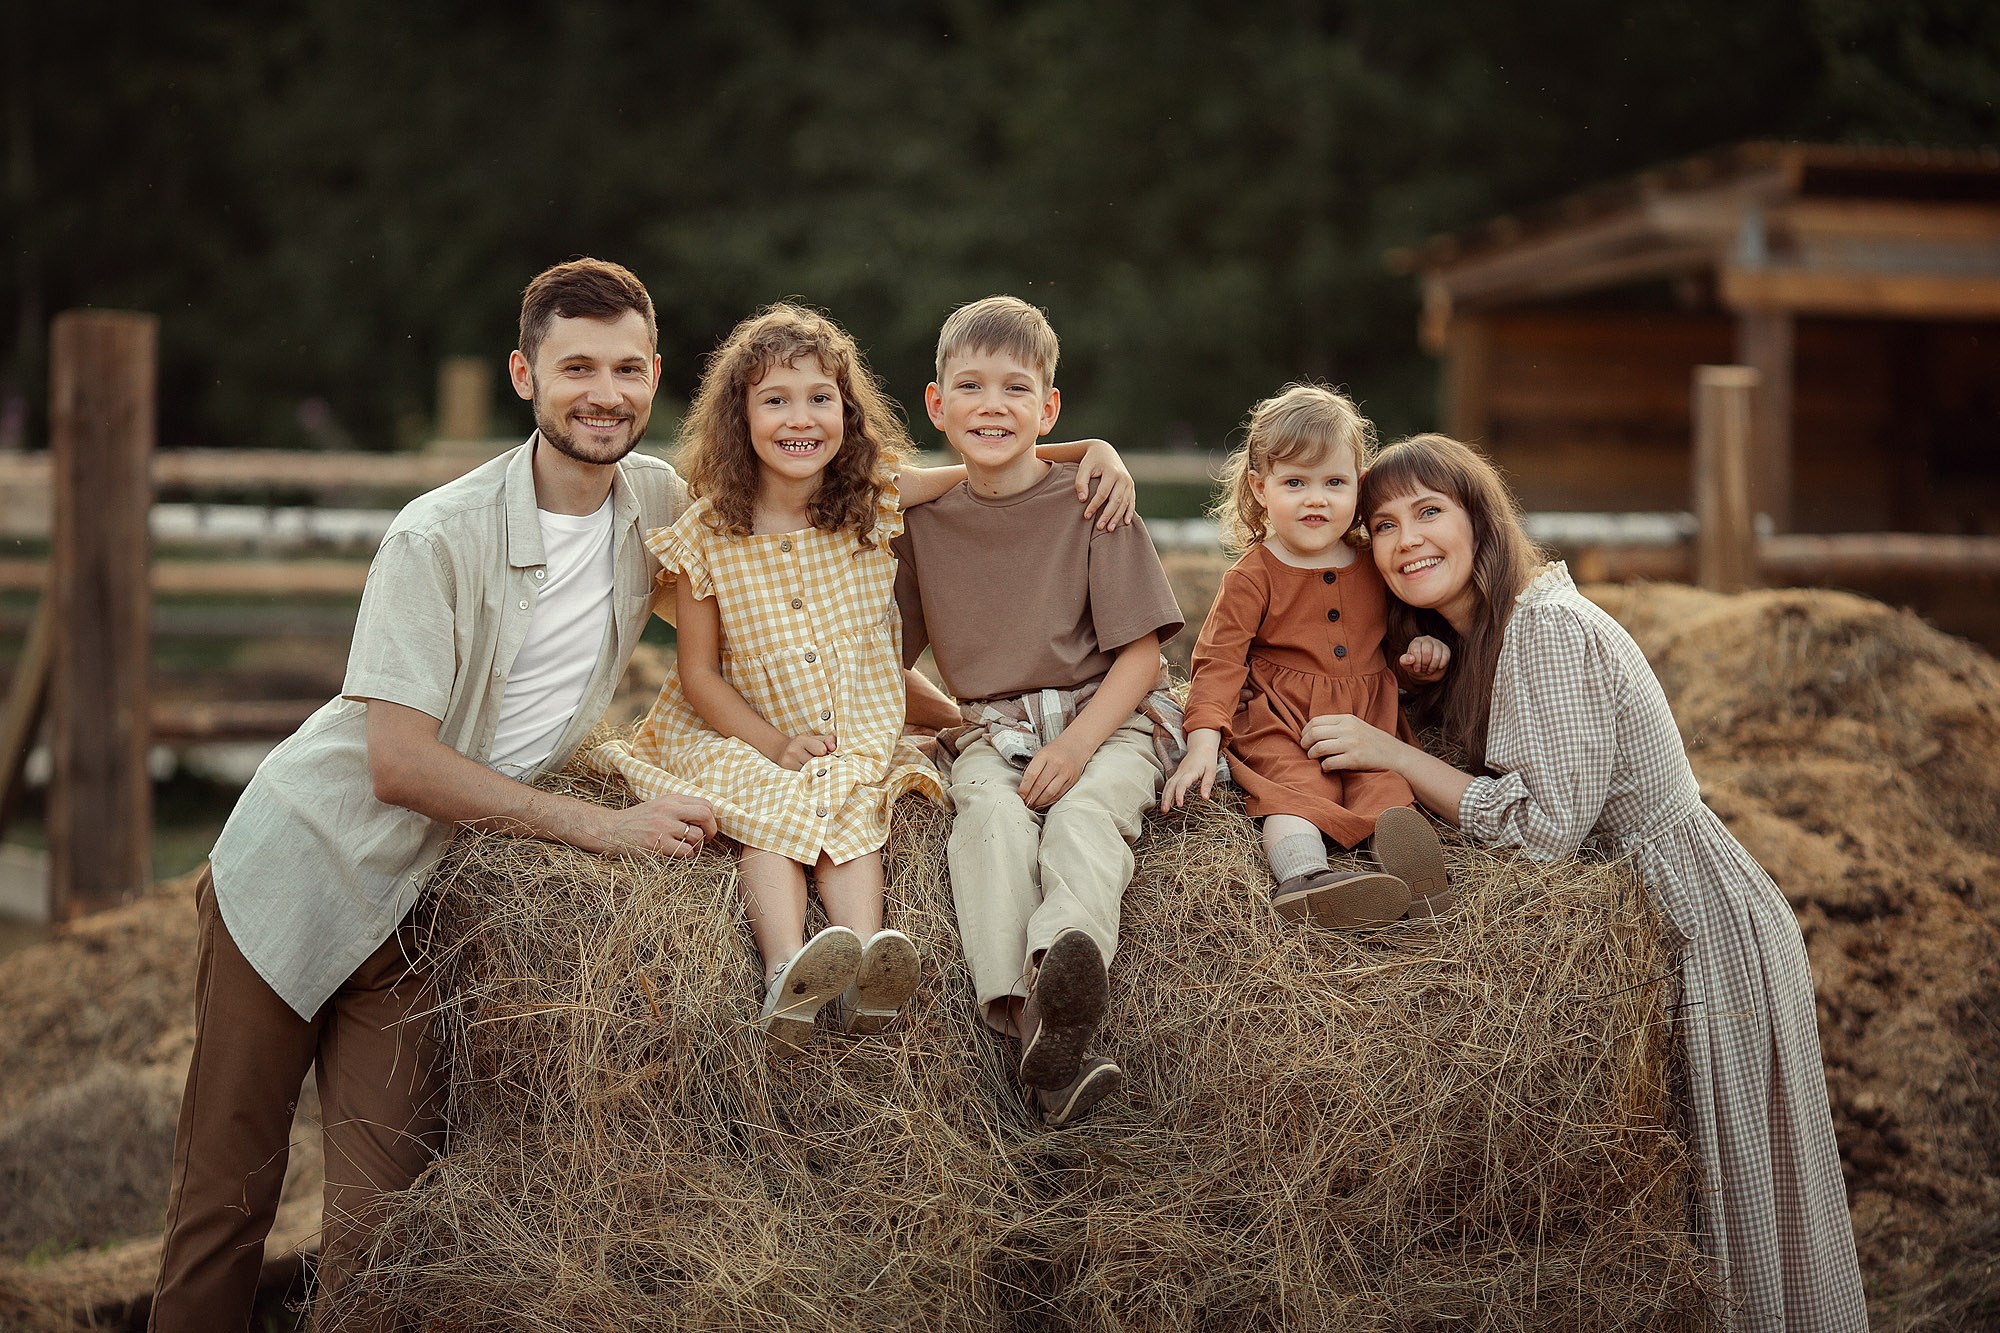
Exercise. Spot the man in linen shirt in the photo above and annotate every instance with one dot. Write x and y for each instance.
(499, 614)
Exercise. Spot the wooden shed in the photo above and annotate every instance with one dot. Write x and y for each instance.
(1862, 283)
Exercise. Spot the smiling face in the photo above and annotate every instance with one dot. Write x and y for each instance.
(1424, 546)
(592, 383)
(794, 415)
(992, 407)
(1308, 507)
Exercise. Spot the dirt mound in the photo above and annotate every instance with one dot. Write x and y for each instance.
(1409, 1128)
(1856, 752)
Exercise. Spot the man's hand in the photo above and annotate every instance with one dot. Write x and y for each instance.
(1425, 659)
(1204, 745)
(1116, 502)
(1343, 741)
(801, 748)
(675, 825)
(1053, 771)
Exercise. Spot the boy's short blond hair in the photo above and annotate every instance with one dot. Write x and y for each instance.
(1001, 324)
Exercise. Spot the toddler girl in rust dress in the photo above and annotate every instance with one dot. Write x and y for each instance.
(1296, 633)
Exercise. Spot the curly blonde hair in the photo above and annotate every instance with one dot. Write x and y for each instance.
(716, 455)
(1303, 423)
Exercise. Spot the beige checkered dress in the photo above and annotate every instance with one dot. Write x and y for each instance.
(1588, 752)
(812, 640)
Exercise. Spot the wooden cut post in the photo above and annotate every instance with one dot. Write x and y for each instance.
(1726, 543)
(102, 368)
(465, 398)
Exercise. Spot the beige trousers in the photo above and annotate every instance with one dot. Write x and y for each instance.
(1019, 876)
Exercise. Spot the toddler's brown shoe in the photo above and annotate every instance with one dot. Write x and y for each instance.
(1342, 899)
(1407, 847)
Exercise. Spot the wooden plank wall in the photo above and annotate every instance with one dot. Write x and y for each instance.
(1896, 425)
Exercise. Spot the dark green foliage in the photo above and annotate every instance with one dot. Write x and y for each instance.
(323, 200)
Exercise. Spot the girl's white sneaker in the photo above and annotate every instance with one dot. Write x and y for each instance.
(814, 975)
(885, 980)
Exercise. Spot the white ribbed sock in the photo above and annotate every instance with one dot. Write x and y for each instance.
(1297, 855)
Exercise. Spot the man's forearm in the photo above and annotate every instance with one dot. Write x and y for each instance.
(412, 768)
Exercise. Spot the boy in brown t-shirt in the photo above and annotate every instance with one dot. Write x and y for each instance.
(1048, 631)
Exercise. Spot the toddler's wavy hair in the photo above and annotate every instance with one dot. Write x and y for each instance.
(715, 451)
(1504, 558)
(1302, 423)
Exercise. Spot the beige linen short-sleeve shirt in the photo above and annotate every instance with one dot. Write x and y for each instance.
(312, 873)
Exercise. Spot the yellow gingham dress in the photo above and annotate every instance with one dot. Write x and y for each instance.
(812, 640)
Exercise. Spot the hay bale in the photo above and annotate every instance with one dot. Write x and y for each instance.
(1414, 1128)
(85, 1162)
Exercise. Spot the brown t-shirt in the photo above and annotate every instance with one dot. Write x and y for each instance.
(1023, 593)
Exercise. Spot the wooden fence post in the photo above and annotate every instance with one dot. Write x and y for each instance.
(465, 398)
(1726, 543)
(102, 369)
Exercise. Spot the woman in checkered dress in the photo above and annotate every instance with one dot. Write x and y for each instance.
(1554, 704)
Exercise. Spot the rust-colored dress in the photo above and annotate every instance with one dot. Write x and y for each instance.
(1309, 641)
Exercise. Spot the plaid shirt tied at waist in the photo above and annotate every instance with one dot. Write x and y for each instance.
(1018, 727)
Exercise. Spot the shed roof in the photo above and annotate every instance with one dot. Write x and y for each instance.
(1893, 232)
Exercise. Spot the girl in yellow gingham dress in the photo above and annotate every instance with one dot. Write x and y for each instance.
(785, 708)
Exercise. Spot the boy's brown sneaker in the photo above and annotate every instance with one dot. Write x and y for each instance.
(1066, 1003)
(1096, 1079)
(1407, 847)
(1342, 899)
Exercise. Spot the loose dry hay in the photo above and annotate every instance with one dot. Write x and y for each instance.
(1441, 1124)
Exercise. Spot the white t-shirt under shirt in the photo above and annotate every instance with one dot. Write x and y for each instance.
(572, 613)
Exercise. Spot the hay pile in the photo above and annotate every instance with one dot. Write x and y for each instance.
(1855, 750)
(1429, 1125)
(93, 1057)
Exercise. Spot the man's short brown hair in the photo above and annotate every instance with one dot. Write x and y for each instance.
(1001, 324)
(582, 289)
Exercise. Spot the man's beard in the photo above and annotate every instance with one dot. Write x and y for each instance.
(565, 443)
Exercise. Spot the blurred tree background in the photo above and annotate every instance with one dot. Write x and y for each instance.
(321, 203)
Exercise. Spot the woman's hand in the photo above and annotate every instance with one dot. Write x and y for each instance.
(1342, 741)
(1196, 767)
(1116, 501)
(1425, 660)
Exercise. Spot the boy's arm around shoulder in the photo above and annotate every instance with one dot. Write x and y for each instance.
(1056, 766)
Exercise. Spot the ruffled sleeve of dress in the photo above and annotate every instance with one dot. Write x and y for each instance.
(1221, 660)
(683, 549)
(888, 515)
(1552, 738)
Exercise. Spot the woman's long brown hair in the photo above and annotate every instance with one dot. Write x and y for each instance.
(1503, 560)
(716, 455)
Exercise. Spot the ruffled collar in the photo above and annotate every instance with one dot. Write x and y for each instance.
(1549, 580)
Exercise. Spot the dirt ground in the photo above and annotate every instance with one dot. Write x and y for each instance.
(1854, 750)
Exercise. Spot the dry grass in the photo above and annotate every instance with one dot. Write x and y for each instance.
(1457, 1124)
